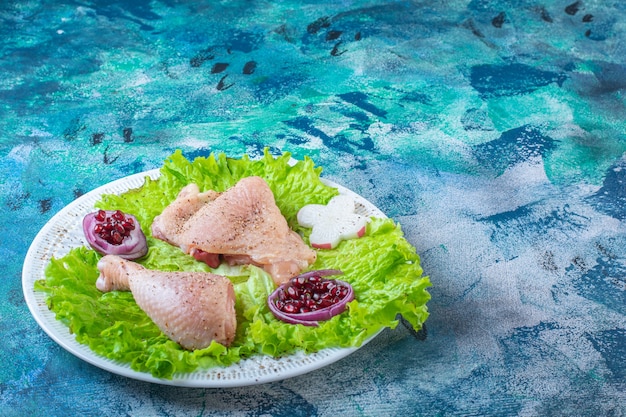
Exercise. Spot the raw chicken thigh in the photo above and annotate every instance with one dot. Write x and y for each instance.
(191, 308)
(243, 224)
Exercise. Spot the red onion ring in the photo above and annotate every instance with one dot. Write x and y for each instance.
(134, 246)
(311, 318)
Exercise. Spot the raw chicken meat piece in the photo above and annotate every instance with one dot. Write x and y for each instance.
(243, 224)
(188, 202)
(191, 308)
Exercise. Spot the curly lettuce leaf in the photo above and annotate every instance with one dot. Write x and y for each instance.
(382, 267)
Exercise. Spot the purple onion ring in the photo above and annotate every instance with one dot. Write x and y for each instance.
(134, 246)
(313, 317)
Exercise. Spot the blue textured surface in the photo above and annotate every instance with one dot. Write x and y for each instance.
(493, 131)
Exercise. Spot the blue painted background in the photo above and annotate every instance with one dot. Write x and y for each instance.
(493, 131)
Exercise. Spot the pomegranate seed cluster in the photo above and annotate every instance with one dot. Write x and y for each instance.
(113, 228)
(307, 294)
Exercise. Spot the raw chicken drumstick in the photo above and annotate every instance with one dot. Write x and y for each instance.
(191, 308)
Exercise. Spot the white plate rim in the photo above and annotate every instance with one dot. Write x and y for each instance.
(251, 371)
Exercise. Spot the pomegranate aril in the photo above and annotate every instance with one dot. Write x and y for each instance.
(290, 308)
(292, 293)
(325, 303)
(101, 215)
(116, 237)
(327, 297)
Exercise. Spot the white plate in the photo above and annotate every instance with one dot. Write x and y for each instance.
(64, 231)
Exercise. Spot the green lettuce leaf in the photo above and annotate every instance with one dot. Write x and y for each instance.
(382, 266)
